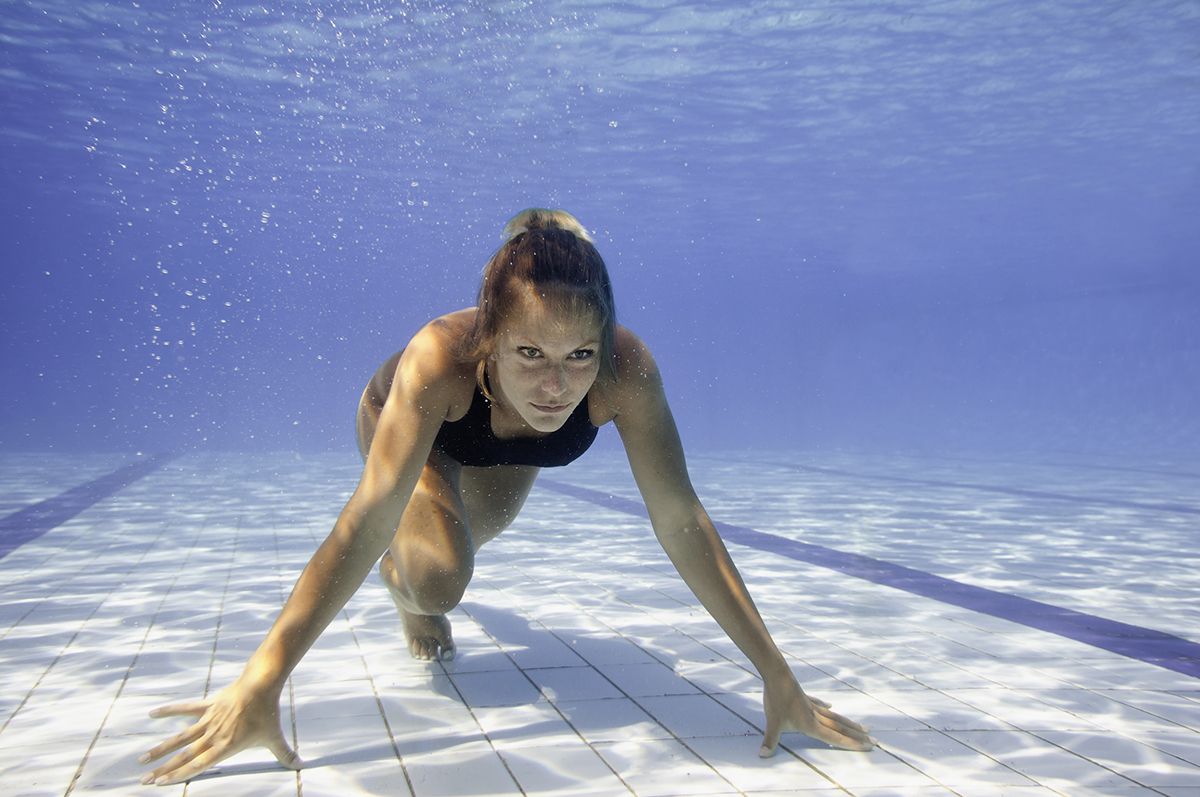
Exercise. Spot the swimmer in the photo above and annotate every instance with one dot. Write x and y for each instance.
(454, 430)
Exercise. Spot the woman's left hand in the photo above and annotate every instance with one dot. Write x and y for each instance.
(789, 709)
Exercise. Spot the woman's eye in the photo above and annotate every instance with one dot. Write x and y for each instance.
(529, 352)
(582, 354)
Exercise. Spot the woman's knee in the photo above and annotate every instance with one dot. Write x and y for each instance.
(432, 554)
(436, 591)
(426, 589)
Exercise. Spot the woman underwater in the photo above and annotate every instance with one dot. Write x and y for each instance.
(454, 429)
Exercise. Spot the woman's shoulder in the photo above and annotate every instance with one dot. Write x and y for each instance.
(431, 359)
(635, 373)
(631, 355)
(439, 338)
(447, 330)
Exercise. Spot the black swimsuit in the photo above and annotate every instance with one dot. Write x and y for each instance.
(471, 441)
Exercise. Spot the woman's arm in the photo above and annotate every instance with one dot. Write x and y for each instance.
(246, 713)
(695, 548)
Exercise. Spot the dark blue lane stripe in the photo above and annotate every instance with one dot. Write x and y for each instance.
(1145, 644)
(33, 521)
(1186, 509)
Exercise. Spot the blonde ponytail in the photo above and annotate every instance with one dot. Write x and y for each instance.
(544, 219)
(549, 255)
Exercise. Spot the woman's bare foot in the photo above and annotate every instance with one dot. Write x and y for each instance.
(428, 636)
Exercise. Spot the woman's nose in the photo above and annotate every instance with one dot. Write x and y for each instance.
(556, 381)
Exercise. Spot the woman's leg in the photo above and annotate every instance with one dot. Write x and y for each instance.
(453, 511)
(493, 497)
(430, 562)
(431, 557)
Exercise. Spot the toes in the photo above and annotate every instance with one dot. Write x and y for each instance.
(428, 649)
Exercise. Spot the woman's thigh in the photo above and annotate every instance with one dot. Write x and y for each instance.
(492, 497)
(370, 405)
(452, 504)
(365, 421)
(433, 540)
(452, 512)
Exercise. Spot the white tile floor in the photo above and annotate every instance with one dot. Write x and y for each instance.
(585, 666)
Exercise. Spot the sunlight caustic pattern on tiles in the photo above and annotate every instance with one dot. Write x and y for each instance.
(31, 522)
(586, 666)
(1146, 644)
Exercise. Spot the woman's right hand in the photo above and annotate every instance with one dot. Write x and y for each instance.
(234, 719)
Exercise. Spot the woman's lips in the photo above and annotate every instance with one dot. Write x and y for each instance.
(551, 408)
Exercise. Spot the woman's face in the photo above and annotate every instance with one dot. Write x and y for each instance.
(544, 364)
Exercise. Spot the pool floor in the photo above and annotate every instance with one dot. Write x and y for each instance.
(1025, 626)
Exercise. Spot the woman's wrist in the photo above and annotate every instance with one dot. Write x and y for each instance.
(262, 675)
(776, 666)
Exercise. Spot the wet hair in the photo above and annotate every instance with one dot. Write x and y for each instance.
(548, 256)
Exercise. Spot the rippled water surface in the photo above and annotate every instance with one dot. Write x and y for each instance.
(845, 223)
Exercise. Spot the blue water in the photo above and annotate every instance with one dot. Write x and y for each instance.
(913, 225)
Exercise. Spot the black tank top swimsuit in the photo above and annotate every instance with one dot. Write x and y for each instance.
(471, 441)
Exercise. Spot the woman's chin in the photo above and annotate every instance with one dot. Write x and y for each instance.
(541, 422)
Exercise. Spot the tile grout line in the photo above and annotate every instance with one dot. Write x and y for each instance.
(929, 728)
(532, 683)
(1012, 727)
(711, 696)
(651, 653)
(58, 588)
(1066, 686)
(655, 657)
(750, 722)
(42, 508)
(1037, 779)
(1133, 743)
(45, 672)
(1172, 652)
(374, 693)
(281, 597)
(1186, 728)
(487, 737)
(1186, 509)
(682, 742)
(379, 707)
(1001, 686)
(1036, 735)
(950, 458)
(461, 699)
(52, 664)
(291, 686)
(35, 520)
(136, 655)
(212, 660)
(640, 706)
